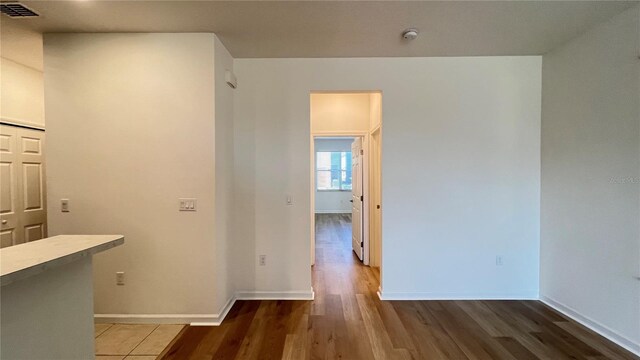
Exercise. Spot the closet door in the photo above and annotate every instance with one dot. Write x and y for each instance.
(31, 185)
(23, 191)
(10, 233)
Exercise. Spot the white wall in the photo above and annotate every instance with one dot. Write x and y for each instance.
(340, 112)
(223, 174)
(590, 222)
(130, 129)
(331, 202)
(461, 171)
(21, 78)
(375, 110)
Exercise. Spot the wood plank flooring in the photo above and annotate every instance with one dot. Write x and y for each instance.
(348, 321)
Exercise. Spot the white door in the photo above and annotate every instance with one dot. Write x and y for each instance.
(23, 213)
(356, 197)
(8, 186)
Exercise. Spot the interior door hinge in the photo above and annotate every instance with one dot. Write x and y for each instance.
(361, 198)
(361, 151)
(361, 243)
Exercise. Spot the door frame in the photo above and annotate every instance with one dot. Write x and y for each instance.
(376, 227)
(365, 187)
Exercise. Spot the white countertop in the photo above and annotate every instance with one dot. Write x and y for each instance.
(24, 260)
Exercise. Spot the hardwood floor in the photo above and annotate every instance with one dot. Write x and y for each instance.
(348, 321)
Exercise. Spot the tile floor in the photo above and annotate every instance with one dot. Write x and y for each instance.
(132, 341)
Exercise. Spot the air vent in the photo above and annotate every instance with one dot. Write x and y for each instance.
(16, 10)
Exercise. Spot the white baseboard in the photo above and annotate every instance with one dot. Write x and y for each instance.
(154, 318)
(219, 317)
(333, 211)
(203, 319)
(593, 325)
(275, 295)
(192, 319)
(525, 295)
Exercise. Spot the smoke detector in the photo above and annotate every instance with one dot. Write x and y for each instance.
(410, 34)
(16, 10)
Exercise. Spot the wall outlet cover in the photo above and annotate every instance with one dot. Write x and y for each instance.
(188, 204)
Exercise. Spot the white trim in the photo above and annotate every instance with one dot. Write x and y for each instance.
(594, 325)
(192, 319)
(220, 317)
(153, 318)
(312, 196)
(346, 91)
(524, 295)
(275, 295)
(348, 134)
(374, 228)
(203, 319)
(333, 211)
(17, 122)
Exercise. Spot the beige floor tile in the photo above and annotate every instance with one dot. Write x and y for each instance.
(138, 357)
(109, 357)
(120, 339)
(100, 328)
(158, 340)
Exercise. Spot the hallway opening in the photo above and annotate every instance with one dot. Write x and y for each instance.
(346, 186)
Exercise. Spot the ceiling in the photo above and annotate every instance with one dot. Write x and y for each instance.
(266, 29)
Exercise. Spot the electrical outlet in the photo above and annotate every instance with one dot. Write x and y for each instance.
(499, 260)
(188, 204)
(64, 205)
(262, 260)
(120, 278)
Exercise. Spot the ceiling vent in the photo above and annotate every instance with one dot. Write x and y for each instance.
(16, 10)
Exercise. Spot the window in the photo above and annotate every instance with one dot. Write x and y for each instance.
(333, 170)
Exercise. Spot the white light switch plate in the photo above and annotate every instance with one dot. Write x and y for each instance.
(120, 278)
(64, 205)
(187, 204)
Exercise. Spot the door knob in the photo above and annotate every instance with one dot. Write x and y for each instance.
(4, 221)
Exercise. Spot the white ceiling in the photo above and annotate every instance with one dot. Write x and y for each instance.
(341, 28)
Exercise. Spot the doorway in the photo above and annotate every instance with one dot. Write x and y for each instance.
(338, 197)
(23, 208)
(345, 181)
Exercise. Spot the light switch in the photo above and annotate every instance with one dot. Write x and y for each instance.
(289, 200)
(64, 205)
(120, 278)
(187, 204)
